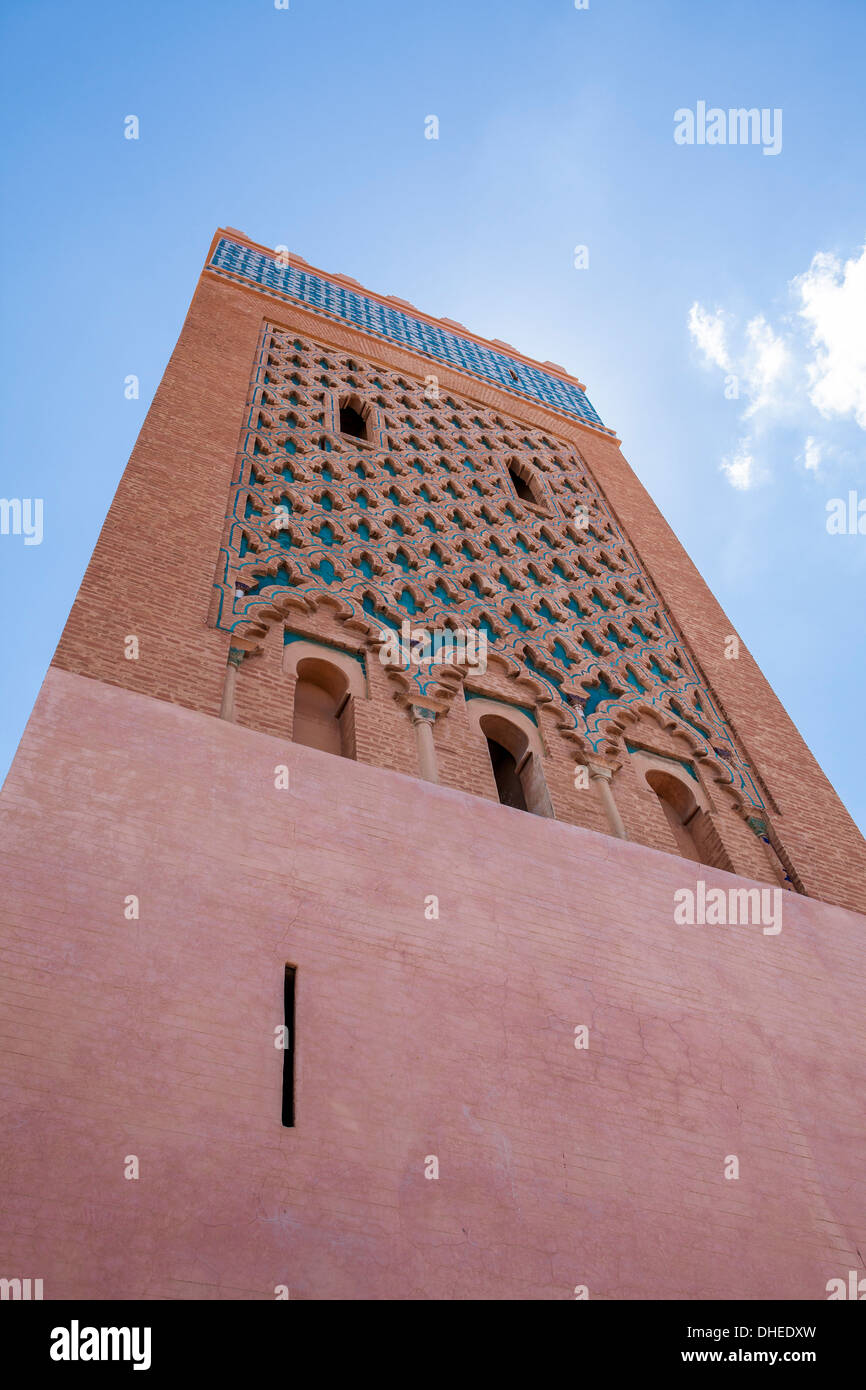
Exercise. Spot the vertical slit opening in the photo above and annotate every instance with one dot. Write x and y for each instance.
(289, 1050)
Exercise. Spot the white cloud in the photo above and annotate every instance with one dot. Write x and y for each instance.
(758, 370)
(766, 364)
(833, 304)
(741, 470)
(709, 333)
(815, 360)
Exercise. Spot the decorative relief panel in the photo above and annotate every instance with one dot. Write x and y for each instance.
(446, 514)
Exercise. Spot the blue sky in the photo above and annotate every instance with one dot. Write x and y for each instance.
(305, 127)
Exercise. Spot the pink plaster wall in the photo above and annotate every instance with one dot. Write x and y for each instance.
(453, 1037)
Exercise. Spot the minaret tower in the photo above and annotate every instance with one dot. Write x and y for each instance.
(400, 799)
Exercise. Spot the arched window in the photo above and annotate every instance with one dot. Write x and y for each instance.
(352, 423)
(692, 828)
(353, 418)
(516, 766)
(680, 808)
(322, 713)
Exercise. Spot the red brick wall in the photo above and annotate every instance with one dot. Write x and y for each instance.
(823, 841)
(415, 1037)
(153, 569)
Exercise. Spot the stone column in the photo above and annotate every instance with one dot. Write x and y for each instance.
(227, 708)
(601, 777)
(423, 721)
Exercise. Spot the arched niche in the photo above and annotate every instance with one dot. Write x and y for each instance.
(325, 685)
(516, 755)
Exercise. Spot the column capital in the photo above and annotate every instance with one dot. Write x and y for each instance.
(599, 770)
(421, 715)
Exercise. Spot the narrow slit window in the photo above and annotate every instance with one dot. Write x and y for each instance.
(289, 1049)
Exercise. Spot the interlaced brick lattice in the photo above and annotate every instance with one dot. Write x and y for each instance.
(449, 515)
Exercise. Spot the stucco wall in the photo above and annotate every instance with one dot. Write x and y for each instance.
(452, 1037)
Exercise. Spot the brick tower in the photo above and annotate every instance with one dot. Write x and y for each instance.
(413, 889)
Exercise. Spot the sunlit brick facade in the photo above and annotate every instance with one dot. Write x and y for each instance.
(489, 499)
